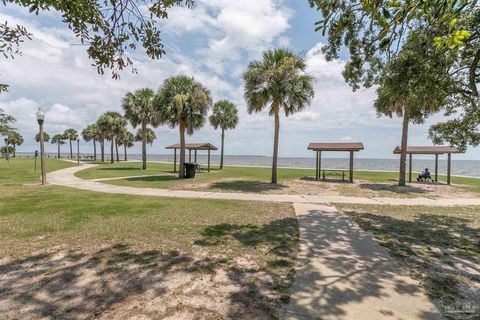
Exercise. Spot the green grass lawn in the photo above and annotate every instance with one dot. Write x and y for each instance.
(438, 246)
(119, 233)
(254, 179)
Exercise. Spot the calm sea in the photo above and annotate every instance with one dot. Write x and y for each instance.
(469, 168)
(459, 167)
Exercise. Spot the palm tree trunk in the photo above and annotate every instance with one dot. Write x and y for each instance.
(94, 150)
(102, 149)
(181, 171)
(275, 146)
(111, 150)
(403, 149)
(71, 153)
(58, 153)
(144, 145)
(14, 150)
(116, 150)
(221, 152)
(125, 151)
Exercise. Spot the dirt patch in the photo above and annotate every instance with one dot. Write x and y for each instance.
(360, 188)
(117, 282)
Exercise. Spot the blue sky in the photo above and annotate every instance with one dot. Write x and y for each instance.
(214, 42)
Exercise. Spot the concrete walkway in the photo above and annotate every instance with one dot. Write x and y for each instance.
(66, 177)
(343, 273)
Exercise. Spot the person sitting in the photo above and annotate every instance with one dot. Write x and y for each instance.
(424, 176)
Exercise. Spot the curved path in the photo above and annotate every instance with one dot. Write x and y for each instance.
(342, 272)
(66, 177)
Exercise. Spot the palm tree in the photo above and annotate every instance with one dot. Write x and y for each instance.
(71, 135)
(15, 139)
(91, 133)
(278, 81)
(149, 134)
(224, 116)
(111, 125)
(126, 140)
(140, 111)
(59, 139)
(46, 137)
(184, 102)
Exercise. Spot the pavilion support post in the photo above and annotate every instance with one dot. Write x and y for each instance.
(449, 167)
(195, 156)
(410, 167)
(351, 166)
(208, 160)
(174, 160)
(436, 168)
(316, 168)
(189, 155)
(320, 164)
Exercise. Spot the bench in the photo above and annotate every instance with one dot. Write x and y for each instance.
(333, 172)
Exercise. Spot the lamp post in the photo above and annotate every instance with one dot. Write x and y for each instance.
(41, 119)
(7, 152)
(78, 151)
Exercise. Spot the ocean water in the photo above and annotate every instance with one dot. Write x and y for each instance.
(469, 168)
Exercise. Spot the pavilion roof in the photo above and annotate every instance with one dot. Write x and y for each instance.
(194, 146)
(335, 146)
(428, 150)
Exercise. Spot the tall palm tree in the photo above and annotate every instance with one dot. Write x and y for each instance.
(276, 82)
(71, 135)
(224, 116)
(148, 133)
(140, 111)
(184, 102)
(91, 133)
(46, 137)
(59, 139)
(111, 124)
(15, 139)
(126, 139)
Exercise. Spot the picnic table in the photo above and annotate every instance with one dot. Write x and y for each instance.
(333, 172)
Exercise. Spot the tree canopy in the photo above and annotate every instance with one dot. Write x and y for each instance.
(110, 29)
(6, 122)
(374, 33)
(224, 115)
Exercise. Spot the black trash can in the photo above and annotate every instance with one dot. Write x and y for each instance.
(190, 169)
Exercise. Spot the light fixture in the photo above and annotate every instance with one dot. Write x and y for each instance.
(40, 116)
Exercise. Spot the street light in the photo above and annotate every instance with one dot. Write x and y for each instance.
(7, 153)
(78, 151)
(41, 119)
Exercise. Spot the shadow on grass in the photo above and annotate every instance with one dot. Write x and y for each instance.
(246, 186)
(278, 241)
(392, 188)
(327, 180)
(442, 251)
(154, 178)
(116, 168)
(120, 282)
(280, 236)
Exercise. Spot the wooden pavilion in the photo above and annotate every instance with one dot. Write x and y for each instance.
(436, 150)
(191, 146)
(318, 147)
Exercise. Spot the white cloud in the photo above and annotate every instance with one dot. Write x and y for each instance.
(305, 116)
(232, 28)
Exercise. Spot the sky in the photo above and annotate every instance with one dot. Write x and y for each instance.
(214, 43)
